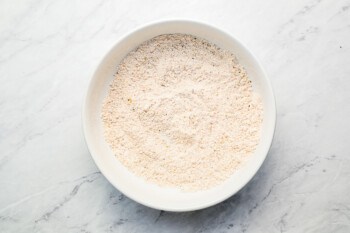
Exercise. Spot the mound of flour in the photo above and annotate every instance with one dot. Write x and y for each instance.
(181, 113)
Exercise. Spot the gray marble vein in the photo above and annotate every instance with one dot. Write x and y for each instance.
(48, 52)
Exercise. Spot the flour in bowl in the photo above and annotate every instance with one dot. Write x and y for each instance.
(181, 113)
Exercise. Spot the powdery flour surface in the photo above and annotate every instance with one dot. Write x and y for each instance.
(181, 113)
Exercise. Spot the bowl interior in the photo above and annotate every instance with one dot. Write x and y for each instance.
(136, 188)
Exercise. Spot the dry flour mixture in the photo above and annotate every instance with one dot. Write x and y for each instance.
(181, 113)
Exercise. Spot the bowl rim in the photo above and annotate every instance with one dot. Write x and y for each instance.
(209, 203)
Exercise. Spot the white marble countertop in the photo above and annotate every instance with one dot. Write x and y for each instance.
(48, 181)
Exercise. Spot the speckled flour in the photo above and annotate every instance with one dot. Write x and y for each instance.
(181, 113)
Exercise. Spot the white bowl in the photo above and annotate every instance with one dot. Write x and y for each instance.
(138, 189)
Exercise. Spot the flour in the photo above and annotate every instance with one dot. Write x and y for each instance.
(181, 113)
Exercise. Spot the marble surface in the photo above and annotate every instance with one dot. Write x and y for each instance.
(48, 181)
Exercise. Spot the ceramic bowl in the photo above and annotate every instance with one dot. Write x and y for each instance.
(138, 189)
